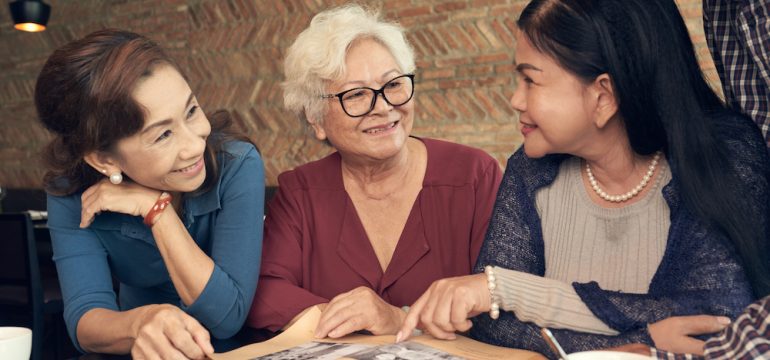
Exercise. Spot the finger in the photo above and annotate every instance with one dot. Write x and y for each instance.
(86, 212)
(348, 326)
(428, 322)
(199, 334)
(704, 324)
(164, 349)
(442, 310)
(137, 353)
(182, 340)
(459, 315)
(635, 348)
(691, 346)
(90, 206)
(413, 317)
(427, 318)
(324, 329)
(144, 348)
(336, 312)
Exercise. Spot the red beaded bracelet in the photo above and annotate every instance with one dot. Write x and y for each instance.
(163, 200)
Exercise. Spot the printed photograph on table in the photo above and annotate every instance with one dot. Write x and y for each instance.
(316, 350)
(403, 351)
(332, 351)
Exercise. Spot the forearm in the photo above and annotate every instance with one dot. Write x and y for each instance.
(188, 266)
(509, 331)
(107, 331)
(546, 302)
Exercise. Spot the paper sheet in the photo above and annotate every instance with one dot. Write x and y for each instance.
(301, 332)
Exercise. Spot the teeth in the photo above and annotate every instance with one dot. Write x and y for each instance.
(374, 131)
(187, 169)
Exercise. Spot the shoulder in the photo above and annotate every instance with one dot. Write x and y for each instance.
(236, 149)
(743, 142)
(236, 156)
(533, 172)
(319, 174)
(452, 163)
(63, 210)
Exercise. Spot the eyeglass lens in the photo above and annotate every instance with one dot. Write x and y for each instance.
(360, 101)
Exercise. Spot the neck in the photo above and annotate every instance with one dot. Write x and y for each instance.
(615, 165)
(377, 178)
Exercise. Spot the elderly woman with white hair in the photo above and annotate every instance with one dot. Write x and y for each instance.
(365, 230)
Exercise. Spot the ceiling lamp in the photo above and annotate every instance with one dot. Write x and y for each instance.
(30, 15)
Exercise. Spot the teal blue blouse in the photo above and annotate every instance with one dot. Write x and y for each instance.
(225, 222)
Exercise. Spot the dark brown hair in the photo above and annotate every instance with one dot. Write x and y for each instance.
(83, 97)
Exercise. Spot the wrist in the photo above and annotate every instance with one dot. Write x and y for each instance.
(158, 208)
(149, 201)
(485, 298)
(494, 302)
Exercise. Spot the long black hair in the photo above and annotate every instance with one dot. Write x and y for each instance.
(664, 102)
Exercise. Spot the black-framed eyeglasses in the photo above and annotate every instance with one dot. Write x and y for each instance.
(360, 101)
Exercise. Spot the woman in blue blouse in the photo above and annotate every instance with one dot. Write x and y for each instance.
(143, 187)
(636, 196)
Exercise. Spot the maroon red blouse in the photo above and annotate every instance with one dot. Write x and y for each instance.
(315, 246)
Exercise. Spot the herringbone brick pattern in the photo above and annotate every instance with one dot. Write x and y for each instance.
(231, 51)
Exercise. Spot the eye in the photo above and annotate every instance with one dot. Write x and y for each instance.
(394, 84)
(192, 111)
(526, 79)
(163, 136)
(354, 94)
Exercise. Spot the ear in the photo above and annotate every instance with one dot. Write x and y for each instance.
(318, 129)
(102, 162)
(606, 102)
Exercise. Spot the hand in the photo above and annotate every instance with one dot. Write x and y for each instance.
(126, 198)
(167, 332)
(446, 307)
(672, 334)
(635, 348)
(358, 309)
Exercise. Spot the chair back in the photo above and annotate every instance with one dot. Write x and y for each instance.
(18, 254)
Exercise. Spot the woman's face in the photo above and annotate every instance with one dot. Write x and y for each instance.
(382, 133)
(167, 153)
(555, 109)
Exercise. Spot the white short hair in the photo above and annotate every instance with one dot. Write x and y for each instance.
(317, 56)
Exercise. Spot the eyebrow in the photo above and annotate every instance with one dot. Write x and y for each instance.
(361, 83)
(525, 66)
(166, 121)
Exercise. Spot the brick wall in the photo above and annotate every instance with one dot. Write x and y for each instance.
(232, 50)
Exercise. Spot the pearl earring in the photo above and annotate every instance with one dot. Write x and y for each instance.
(116, 178)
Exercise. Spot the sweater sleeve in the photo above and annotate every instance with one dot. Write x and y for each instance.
(546, 302)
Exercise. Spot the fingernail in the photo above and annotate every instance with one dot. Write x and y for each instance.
(723, 320)
(399, 336)
(332, 334)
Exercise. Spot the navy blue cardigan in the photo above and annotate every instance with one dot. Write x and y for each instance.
(700, 272)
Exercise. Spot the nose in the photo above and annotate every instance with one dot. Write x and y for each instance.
(380, 105)
(519, 98)
(193, 139)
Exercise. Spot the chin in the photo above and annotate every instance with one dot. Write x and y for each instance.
(534, 152)
(190, 185)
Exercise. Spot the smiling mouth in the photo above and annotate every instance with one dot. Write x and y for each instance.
(191, 167)
(380, 129)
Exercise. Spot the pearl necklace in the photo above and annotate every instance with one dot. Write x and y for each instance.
(623, 197)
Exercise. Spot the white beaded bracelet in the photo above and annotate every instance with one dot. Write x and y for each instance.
(494, 307)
